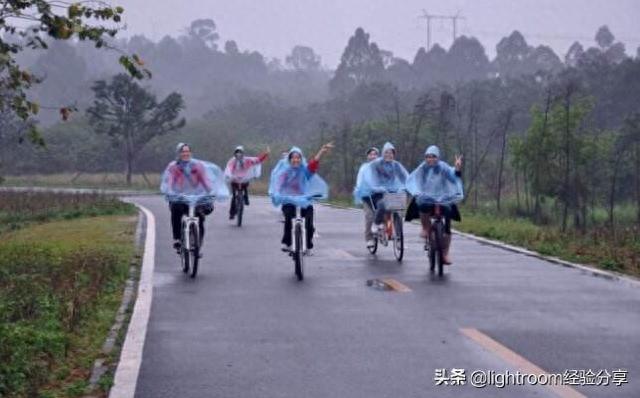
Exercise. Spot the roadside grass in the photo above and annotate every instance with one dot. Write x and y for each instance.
(19, 209)
(115, 181)
(615, 251)
(61, 284)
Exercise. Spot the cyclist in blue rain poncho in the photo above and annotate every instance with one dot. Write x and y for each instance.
(432, 183)
(294, 183)
(372, 154)
(384, 174)
(188, 181)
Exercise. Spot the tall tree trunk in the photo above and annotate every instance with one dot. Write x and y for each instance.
(502, 155)
(537, 211)
(612, 192)
(517, 181)
(476, 167)
(567, 160)
(637, 181)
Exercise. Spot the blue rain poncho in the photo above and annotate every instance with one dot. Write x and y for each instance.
(379, 176)
(298, 186)
(193, 182)
(435, 184)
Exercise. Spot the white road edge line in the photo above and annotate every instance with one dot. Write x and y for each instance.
(126, 375)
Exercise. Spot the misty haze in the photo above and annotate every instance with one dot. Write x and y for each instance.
(499, 136)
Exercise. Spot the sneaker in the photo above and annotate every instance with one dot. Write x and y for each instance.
(286, 248)
(371, 243)
(375, 228)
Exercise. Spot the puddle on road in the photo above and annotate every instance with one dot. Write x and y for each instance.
(387, 284)
(161, 279)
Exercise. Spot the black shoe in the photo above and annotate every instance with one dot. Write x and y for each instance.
(232, 216)
(246, 200)
(177, 246)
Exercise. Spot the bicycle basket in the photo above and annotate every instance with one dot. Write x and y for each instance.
(395, 201)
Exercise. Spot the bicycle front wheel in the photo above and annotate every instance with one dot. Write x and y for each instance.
(194, 249)
(298, 254)
(398, 237)
(436, 247)
(239, 208)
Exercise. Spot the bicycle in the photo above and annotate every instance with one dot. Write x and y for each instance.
(434, 246)
(299, 247)
(239, 203)
(395, 203)
(191, 238)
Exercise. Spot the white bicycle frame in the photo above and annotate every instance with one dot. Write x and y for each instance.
(299, 220)
(187, 221)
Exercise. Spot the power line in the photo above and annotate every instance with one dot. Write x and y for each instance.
(454, 22)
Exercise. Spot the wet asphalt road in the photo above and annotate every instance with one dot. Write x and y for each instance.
(245, 327)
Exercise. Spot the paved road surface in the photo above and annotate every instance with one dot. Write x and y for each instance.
(246, 328)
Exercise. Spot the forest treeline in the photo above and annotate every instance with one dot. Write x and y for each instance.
(554, 138)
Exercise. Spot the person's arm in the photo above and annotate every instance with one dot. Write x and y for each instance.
(264, 155)
(325, 148)
(315, 162)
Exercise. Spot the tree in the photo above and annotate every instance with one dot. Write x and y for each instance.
(543, 59)
(132, 116)
(59, 20)
(512, 53)
(573, 55)
(204, 30)
(467, 60)
(604, 37)
(231, 48)
(303, 58)
(361, 63)
(431, 67)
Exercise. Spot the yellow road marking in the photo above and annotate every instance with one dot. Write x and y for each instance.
(517, 361)
(395, 285)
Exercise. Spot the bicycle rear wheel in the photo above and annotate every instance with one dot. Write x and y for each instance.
(398, 237)
(239, 207)
(298, 254)
(194, 249)
(436, 248)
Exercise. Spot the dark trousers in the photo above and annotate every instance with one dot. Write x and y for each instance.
(180, 209)
(289, 212)
(235, 188)
(379, 207)
(445, 210)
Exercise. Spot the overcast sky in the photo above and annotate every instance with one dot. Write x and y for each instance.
(273, 27)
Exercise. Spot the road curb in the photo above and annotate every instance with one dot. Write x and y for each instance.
(610, 275)
(126, 375)
(101, 365)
